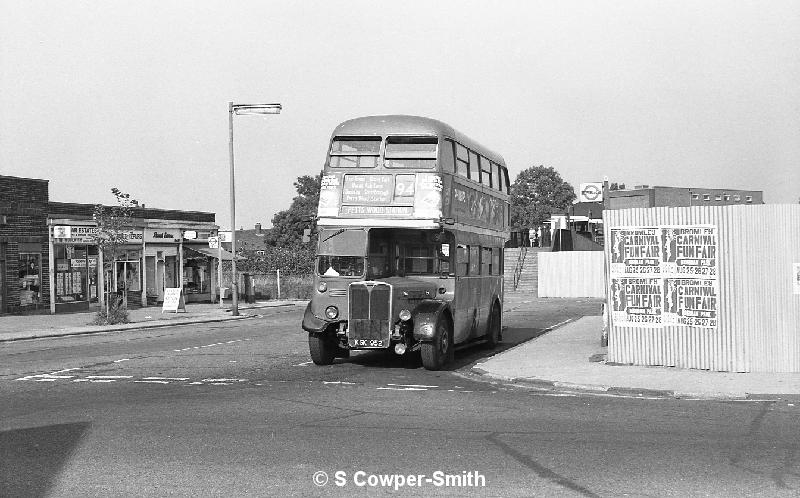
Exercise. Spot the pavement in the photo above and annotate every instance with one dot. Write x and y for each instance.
(571, 359)
(568, 358)
(21, 327)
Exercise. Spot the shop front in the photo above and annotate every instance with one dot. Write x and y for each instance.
(74, 267)
(200, 267)
(161, 261)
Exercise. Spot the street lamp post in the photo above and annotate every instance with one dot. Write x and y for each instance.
(240, 109)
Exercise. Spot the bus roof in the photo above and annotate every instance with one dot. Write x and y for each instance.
(399, 124)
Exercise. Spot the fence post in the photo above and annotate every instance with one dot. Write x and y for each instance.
(278, 272)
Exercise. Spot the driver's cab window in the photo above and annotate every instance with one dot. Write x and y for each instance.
(378, 260)
(419, 260)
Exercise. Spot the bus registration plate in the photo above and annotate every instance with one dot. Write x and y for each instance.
(367, 343)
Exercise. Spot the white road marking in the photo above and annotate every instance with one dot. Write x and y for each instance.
(109, 377)
(401, 389)
(304, 364)
(65, 370)
(195, 383)
(224, 380)
(151, 382)
(166, 378)
(410, 385)
(338, 382)
(220, 383)
(123, 359)
(46, 376)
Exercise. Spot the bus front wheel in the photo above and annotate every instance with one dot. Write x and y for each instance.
(439, 351)
(322, 350)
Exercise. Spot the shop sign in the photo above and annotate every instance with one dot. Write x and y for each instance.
(62, 231)
(225, 237)
(664, 275)
(162, 235)
(66, 234)
(213, 242)
(190, 234)
(77, 263)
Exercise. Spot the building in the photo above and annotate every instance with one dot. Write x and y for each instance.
(23, 241)
(586, 218)
(51, 262)
(644, 196)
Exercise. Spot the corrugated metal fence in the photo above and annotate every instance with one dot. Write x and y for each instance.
(571, 274)
(758, 327)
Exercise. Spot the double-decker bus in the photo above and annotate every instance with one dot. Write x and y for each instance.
(412, 221)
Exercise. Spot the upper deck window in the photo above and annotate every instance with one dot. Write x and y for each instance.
(410, 152)
(359, 152)
(474, 167)
(462, 161)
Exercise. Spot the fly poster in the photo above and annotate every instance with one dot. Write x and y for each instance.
(637, 301)
(664, 276)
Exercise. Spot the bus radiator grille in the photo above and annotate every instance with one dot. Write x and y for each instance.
(370, 312)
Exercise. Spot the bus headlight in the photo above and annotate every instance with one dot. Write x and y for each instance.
(331, 312)
(322, 287)
(405, 315)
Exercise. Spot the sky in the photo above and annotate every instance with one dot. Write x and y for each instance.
(134, 95)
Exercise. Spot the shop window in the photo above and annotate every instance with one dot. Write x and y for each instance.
(496, 259)
(197, 275)
(748, 198)
(129, 276)
(72, 273)
(706, 197)
(30, 279)
(727, 197)
(696, 197)
(718, 197)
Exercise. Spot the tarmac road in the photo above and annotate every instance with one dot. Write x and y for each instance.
(235, 409)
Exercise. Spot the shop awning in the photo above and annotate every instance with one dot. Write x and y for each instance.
(214, 253)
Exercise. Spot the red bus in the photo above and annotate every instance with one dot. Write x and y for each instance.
(412, 220)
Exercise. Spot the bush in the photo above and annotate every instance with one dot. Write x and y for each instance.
(116, 314)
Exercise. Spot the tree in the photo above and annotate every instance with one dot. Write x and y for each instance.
(113, 226)
(288, 225)
(537, 193)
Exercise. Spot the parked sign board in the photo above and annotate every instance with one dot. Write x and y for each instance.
(173, 300)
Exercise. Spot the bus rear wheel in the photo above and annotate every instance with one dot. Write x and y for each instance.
(493, 327)
(439, 351)
(322, 350)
